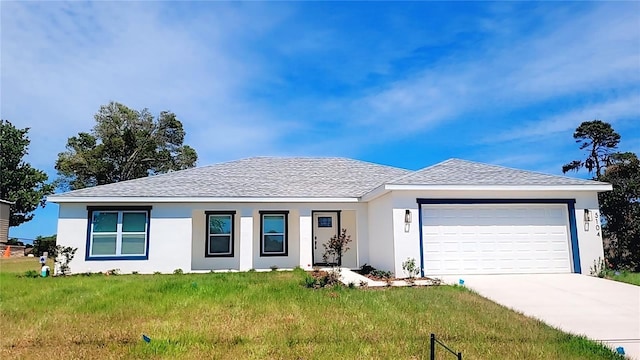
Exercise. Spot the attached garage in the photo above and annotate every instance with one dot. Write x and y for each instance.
(486, 237)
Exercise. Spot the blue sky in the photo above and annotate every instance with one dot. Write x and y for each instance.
(406, 84)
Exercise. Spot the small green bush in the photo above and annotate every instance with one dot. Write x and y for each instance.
(309, 281)
(366, 269)
(383, 274)
(30, 274)
(409, 266)
(178, 271)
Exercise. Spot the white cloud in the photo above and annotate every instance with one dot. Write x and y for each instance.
(61, 61)
(583, 54)
(610, 111)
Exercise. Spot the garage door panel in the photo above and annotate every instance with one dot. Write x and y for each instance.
(487, 239)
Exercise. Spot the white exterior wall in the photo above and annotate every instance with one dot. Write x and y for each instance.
(177, 237)
(381, 233)
(170, 248)
(407, 244)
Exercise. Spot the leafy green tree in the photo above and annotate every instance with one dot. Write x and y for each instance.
(20, 183)
(124, 144)
(44, 243)
(600, 141)
(621, 211)
(620, 208)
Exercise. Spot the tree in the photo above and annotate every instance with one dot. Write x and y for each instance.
(336, 246)
(20, 183)
(620, 208)
(124, 144)
(600, 140)
(621, 211)
(42, 244)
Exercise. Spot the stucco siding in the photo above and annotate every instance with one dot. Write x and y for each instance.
(381, 242)
(177, 237)
(348, 221)
(169, 245)
(589, 241)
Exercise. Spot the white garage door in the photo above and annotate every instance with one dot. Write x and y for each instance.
(495, 239)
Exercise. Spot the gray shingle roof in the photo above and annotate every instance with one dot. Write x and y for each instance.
(256, 177)
(463, 172)
(301, 177)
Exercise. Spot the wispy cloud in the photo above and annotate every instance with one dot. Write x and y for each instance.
(611, 111)
(559, 59)
(61, 61)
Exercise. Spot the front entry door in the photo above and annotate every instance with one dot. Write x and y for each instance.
(325, 226)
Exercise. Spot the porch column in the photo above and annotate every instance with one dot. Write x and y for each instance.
(246, 239)
(306, 242)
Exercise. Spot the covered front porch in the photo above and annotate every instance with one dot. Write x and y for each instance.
(269, 236)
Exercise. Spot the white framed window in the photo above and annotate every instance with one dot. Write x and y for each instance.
(118, 233)
(219, 242)
(273, 233)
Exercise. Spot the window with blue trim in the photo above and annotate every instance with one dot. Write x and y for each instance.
(118, 233)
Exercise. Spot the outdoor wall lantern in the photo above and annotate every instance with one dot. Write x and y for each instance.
(587, 219)
(407, 220)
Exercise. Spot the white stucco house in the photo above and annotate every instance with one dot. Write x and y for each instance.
(456, 217)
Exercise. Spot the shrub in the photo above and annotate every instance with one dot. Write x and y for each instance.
(332, 277)
(382, 274)
(366, 269)
(599, 268)
(309, 281)
(409, 266)
(64, 255)
(274, 267)
(30, 274)
(336, 247)
(178, 271)
(321, 280)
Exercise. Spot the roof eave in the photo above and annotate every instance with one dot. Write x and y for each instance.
(143, 199)
(586, 187)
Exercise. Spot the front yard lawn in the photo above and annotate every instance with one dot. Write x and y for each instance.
(260, 316)
(627, 277)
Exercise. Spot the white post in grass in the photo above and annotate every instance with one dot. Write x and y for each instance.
(246, 239)
(306, 241)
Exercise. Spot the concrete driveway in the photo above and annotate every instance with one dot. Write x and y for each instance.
(602, 310)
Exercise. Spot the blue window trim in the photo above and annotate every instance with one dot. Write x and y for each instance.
(91, 209)
(571, 206)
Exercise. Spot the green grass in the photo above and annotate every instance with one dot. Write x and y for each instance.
(259, 316)
(627, 277)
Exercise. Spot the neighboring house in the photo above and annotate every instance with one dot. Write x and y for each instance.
(456, 217)
(5, 214)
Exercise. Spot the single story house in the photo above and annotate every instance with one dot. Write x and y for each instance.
(456, 217)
